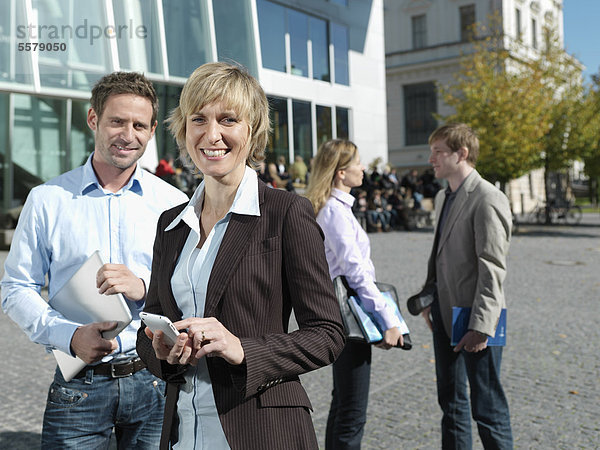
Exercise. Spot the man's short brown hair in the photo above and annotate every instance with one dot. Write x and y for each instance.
(456, 136)
(123, 83)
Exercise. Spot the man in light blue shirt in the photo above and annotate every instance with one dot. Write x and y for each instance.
(109, 204)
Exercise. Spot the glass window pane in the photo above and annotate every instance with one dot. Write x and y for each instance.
(188, 36)
(320, 49)
(5, 178)
(339, 38)
(279, 139)
(139, 45)
(420, 103)
(302, 129)
(168, 99)
(82, 138)
(324, 132)
(298, 29)
(271, 23)
(419, 31)
(239, 46)
(15, 65)
(342, 126)
(82, 37)
(39, 133)
(467, 20)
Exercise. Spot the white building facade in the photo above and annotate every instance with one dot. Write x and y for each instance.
(424, 40)
(321, 63)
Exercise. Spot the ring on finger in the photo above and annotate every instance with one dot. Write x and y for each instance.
(203, 336)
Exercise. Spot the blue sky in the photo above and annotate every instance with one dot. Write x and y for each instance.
(582, 32)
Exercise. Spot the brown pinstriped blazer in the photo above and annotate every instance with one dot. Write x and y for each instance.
(265, 266)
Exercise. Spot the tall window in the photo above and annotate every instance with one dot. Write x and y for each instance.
(140, 50)
(534, 42)
(85, 59)
(342, 124)
(271, 22)
(323, 124)
(298, 31)
(39, 136)
(238, 46)
(420, 102)
(319, 40)
(278, 140)
(302, 129)
(467, 22)
(518, 23)
(186, 22)
(419, 31)
(82, 138)
(339, 38)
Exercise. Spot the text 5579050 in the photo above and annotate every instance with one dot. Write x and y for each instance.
(42, 47)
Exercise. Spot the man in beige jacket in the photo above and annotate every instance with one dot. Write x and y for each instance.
(466, 268)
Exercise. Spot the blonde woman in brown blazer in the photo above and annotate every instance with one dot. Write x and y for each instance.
(228, 269)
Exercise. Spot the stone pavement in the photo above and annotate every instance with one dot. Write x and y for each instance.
(551, 369)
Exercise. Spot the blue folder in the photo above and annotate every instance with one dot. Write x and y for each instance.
(367, 321)
(460, 326)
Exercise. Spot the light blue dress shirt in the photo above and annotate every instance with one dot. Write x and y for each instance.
(348, 253)
(62, 223)
(199, 425)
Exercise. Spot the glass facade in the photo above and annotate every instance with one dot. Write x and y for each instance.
(44, 92)
(309, 41)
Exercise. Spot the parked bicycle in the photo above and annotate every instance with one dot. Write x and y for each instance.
(559, 212)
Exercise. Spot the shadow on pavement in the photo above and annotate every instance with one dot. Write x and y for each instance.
(577, 231)
(20, 440)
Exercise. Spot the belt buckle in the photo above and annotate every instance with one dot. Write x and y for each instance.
(124, 375)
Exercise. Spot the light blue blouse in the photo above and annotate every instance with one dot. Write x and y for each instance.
(199, 425)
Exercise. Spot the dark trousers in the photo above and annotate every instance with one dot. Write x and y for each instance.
(348, 412)
(488, 404)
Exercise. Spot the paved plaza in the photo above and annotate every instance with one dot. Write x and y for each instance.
(551, 369)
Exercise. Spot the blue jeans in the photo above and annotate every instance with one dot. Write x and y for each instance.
(348, 411)
(488, 402)
(81, 413)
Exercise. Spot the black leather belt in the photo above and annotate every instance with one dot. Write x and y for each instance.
(115, 370)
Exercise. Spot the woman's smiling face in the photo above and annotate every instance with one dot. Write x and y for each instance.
(217, 141)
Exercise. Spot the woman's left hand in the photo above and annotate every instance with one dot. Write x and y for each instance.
(209, 337)
(391, 338)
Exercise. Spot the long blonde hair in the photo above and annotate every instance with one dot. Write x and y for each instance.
(333, 155)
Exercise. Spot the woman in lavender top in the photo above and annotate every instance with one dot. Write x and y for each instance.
(336, 170)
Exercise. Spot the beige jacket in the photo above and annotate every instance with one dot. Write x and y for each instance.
(471, 254)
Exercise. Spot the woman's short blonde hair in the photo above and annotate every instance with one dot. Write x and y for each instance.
(236, 89)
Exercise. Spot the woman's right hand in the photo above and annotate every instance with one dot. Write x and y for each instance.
(391, 338)
(180, 353)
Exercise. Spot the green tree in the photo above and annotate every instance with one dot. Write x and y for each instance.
(589, 138)
(506, 100)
